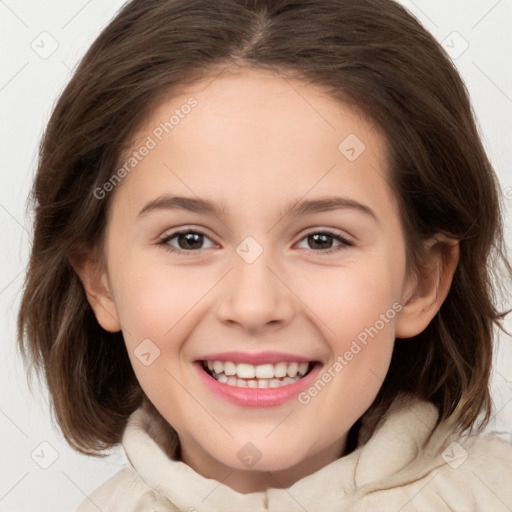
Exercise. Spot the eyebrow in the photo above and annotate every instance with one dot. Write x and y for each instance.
(293, 208)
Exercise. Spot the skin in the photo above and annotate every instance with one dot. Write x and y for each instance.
(255, 143)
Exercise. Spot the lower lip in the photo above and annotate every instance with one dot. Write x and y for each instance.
(257, 397)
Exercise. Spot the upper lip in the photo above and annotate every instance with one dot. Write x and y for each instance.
(255, 358)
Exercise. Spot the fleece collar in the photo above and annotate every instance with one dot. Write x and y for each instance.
(402, 433)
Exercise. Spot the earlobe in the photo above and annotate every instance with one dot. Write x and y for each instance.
(97, 289)
(425, 294)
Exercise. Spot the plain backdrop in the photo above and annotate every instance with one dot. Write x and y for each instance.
(41, 44)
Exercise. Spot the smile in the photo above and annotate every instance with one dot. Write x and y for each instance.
(260, 376)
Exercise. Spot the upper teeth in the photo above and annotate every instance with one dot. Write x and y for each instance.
(262, 371)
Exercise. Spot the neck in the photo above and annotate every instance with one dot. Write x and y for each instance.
(248, 481)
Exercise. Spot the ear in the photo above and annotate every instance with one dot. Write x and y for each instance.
(426, 291)
(98, 291)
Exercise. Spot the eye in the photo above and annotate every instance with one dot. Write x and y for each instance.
(326, 242)
(193, 240)
(186, 240)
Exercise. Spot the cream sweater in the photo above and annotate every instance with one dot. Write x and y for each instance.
(389, 472)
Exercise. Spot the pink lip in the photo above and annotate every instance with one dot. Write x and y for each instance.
(255, 358)
(255, 397)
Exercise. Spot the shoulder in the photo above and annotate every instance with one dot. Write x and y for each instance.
(405, 467)
(476, 469)
(146, 443)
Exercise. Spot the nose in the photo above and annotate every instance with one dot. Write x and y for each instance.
(255, 297)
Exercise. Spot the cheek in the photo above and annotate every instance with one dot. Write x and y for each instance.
(159, 301)
(357, 322)
(157, 306)
(348, 300)
(356, 308)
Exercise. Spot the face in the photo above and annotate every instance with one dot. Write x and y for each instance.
(255, 262)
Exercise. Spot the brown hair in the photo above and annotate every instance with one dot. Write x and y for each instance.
(371, 54)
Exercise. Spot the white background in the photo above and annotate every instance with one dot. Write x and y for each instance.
(29, 86)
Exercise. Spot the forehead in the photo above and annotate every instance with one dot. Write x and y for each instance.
(254, 134)
(263, 105)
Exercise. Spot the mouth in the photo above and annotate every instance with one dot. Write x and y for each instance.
(261, 376)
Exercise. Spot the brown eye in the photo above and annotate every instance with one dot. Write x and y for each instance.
(325, 241)
(186, 241)
(320, 241)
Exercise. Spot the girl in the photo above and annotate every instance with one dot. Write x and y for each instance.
(265, 241)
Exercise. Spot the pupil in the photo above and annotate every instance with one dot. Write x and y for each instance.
(318, 239)
(190, 240)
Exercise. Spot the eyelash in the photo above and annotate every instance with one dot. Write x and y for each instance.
(344, 243)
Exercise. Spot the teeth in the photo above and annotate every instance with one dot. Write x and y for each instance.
(263, 383)
(280, 370)
(292, 370)
(244, 371)
(229, 368)
(262, 371)
(265, 371)
(274, 383)
(303, 368)
(261, 376)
